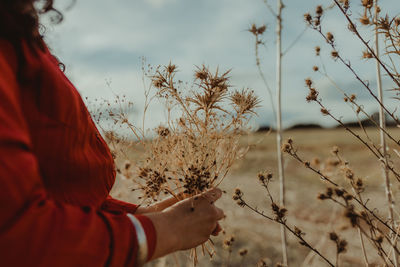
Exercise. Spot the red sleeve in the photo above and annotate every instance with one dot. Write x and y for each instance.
(117, 206)
(35, 230)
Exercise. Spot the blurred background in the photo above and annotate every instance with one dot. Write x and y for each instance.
(102, 42)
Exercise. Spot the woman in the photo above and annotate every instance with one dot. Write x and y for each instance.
(56, 171)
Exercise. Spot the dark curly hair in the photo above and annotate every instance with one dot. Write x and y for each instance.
(19, 19)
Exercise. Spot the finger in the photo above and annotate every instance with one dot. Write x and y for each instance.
(165, 203)
(217, 230)
(220, 214)
(213, 194)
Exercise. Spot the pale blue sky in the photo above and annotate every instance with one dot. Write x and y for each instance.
(103, 40)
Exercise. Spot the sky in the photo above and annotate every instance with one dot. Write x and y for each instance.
(102, 44)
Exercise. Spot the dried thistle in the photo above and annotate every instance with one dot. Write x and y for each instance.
(195, 152)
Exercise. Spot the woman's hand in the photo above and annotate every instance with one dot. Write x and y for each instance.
(159, 206)
(187, 223)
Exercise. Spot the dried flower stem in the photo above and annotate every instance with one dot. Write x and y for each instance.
(282, 221)
(363, 247)
(353, 27)
(348, 65)
(382, 124)
(282, 195)
(293, 153)
(260, 72)
(359, 108)
(373, 150)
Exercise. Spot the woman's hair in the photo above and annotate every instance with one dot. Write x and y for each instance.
(19, 19)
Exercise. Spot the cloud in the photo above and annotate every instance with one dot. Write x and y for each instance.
(160, 3)
(103, 40)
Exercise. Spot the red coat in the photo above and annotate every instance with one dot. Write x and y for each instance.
(56, 173)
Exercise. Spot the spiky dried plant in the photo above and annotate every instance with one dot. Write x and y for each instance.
(194, 149)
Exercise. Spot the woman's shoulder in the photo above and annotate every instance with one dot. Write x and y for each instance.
(8, 56)
(15, 52)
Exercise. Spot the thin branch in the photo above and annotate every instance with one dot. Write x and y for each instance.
(366, 43)
(292, 152)
(281, 172)
(270, 8)
(382, 124)
(283, 223)
(294, 42)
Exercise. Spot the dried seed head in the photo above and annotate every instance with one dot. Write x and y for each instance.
(278, 211)
(275, 207)
(308, 18)
(333, 236)
(245, 101)
(348, 197)
(397, 22)
(339, 192)
(324, 111)
(364, 20)
(315, 68)
(237, 195)
(127, 165)
(243, 252)
(352, 27)
(308, 82)
(319, 10)
(379, 239)
(345, 4)
(202, 73)
(162, 131)
(262, 263)
(342, 246)
(330, 38)
(241, 203)
(351, 215)
(286, 148)
(158, 81)
(264, 177)
(297, 231)
(367, 54)
(364, 214)
(359, 185)
(238, 192)
(329, 192)
(349, 174)
(334, 54)
(261, 29)
(171, 68)
(367, 3)
(253, 29)
(228, 242)
(317, 50)
(312, 95)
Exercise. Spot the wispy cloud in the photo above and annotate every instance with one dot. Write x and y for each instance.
(104, 40)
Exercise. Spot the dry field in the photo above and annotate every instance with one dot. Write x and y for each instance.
(262, 238)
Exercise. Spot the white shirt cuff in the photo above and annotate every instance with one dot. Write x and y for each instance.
(142, 253)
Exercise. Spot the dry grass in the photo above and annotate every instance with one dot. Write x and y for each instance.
(261, 238)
